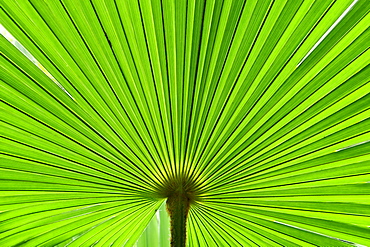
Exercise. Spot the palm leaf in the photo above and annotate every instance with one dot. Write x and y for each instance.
(258, 109)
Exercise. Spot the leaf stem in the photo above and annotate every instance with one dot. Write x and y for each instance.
(178, 205)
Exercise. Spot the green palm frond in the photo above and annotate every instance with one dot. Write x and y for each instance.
(252, 116)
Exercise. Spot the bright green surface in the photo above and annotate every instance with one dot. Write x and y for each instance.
(157, 232)
(210, 89)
